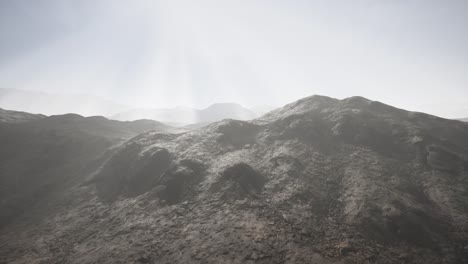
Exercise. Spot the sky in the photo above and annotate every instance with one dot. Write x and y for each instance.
(412, 54)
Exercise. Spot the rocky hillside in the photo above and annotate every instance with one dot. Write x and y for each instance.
(8, 116)
(320, 180)
(40, 155)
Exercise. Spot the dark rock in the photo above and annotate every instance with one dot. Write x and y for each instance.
(249, 180)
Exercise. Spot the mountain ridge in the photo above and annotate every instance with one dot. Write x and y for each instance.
(34, 151)
(185, 115)
(10, 116)
(319, 180)
(56, 104)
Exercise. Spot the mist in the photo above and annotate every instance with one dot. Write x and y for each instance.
(246, 131)
(164, 54)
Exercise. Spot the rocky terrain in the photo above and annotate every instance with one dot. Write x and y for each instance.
(8, 116)
(39, 154)
(320, 180)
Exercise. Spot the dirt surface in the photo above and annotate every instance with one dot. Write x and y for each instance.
(318, 181)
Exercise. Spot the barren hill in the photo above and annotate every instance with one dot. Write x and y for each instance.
(8, 116)
(320, 180)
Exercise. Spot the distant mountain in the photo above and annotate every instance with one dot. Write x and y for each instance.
(215, 112)
(53, 104)
(196, 125)
(8, 116)
(87, 105)
(178, 115)
(262, 109)
(464, 119)
(220, 111)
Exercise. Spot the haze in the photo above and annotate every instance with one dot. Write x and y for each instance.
(410, 54)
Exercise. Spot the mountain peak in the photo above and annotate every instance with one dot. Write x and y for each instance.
(356, 100)
(212, 113)
(318, 104)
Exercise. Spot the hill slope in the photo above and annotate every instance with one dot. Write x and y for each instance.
(8, 116)
(320, 180)
(38, 156)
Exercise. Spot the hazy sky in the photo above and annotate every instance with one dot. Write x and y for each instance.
(162, 53)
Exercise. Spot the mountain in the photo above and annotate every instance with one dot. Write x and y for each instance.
(8, 116)
(53, 104)
(320, 180)
(41, 153)
(220, 111)
(463, 119)
(215, 112)
(86, 105)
